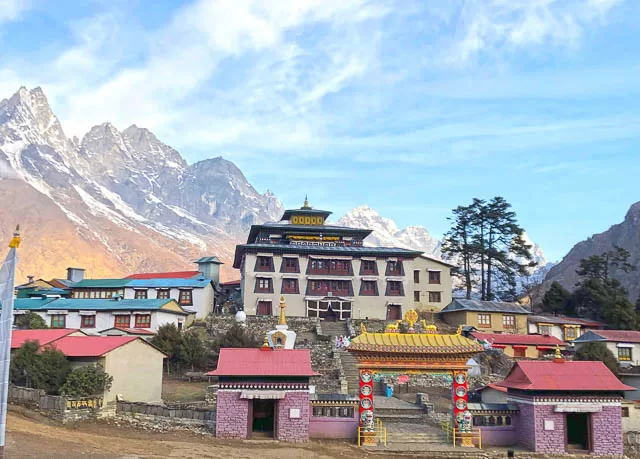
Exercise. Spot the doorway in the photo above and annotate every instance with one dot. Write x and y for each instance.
(578, 429)
(263, 423)
(331, 315)
(394, 312)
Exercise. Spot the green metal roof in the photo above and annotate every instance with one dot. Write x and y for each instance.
(215, 260)
(102, 283)
(69, 304)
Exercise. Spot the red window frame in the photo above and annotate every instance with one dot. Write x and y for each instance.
(143, 321)
(141, 294)
(88, 322)
(264, 308)
(264, 264)
(519, 352)
(368, 267)
(290, 265)
(290, 286)
(186, 297)
(55, 318)
(163, 294)
(394, 288)
(119, 321)
(368, 288)
(394, 268)
(434, 277)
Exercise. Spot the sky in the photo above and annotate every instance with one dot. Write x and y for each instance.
(410, 107)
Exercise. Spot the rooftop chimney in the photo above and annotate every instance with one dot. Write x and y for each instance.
(75, 274)
(30, 279)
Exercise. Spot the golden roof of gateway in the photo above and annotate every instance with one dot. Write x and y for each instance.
(420, 343)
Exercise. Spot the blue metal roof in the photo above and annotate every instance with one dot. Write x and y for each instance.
(169, 283)
(68, 304)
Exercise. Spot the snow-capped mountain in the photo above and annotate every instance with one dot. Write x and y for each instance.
(116, 201)
(386, 233)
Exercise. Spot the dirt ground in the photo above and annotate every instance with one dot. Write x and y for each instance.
(176, 390)
(32, 436)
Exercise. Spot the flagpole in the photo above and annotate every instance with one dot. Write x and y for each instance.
(7, 285)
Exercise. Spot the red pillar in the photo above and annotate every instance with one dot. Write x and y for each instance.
(366, 395)
(460, 395)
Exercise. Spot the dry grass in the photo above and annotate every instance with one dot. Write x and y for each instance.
(177, 390)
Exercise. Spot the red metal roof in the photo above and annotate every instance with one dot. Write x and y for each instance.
(523, 340)
(171, 275)
(562, 376)
(19, 337)
(626, 336)
(256, 362)
(90, 346)
(493, 386)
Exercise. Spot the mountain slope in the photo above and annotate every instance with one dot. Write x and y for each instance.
(625, 235)
(115, 202)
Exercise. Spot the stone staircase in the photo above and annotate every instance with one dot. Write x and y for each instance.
(350, 371)
(333, 329)
(406, 423)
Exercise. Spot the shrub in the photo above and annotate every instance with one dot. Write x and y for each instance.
(87, 381)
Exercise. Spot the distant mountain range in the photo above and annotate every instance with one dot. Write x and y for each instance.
(115, 201)
(625, 235)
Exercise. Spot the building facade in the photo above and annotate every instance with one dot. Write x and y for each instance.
(326, 271)
(624, 344)
(521, 346)
(96, 315)
(487, 316)
(561, 327)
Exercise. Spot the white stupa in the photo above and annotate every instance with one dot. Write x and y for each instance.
(281, 337)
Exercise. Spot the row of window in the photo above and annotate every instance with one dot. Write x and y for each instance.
(333, 411)
(89, 321)
(570, 333)
(334, 309)
(508, 321)
(434, 277)
(480, 420)
(185, 297)
(337, 267)
(335, 287)
(434, 297)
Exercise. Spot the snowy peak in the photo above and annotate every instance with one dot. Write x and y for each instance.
(536, 251)
(385, 232)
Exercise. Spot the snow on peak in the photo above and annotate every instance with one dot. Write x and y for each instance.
(386, 233)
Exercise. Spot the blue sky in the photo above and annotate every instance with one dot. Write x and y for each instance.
(411, 107)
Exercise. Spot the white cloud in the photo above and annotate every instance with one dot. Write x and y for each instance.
(10, 10)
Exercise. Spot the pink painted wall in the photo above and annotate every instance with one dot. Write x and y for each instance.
(232, 415)
(293, 429)
(526, 427)
(549, 441)
(607, 431)
(499, 435)
(334, 427)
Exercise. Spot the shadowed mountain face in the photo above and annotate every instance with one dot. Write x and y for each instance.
(116, 201)
(625, 235)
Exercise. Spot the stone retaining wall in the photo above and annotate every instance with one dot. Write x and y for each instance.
(176, 415)
(64, 409)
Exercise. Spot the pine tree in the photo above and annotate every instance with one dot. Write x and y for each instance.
(457, 246)
(557, 299)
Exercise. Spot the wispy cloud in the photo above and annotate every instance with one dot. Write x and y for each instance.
(11, 10)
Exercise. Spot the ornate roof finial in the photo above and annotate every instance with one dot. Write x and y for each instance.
(558, 357)
(15, 242)
(265, 343)
(363, 329)
(283, 319)
(306, 203)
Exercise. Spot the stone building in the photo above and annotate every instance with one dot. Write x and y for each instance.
(566, 406)
(487, 316)
(327, 271)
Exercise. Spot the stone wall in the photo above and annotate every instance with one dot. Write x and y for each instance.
(64, 409)
(182, 414)
(526, 426)
(233, 413)
(607, 431)
(293, 429)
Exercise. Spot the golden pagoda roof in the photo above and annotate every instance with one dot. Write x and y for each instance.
(410, 343)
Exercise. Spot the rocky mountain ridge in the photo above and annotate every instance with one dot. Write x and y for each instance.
(134, 201)
(625, 234)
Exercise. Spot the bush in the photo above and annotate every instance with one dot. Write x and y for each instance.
(598, 351)
(30, 320)
(45, 370)
(87, 381)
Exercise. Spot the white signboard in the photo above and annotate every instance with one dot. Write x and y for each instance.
(294, 413)
(548, 425)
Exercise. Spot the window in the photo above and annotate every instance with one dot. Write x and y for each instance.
(369, 288)
(484, 320)
(88, 322)
(290, 286)
(508, 321)
(519, 352)
(624, 354)
(141, 295)
(185, 298)
(340, 267)
(625, 411)
(338, 412)
(143, 320)
(434, 277)
(416, 276)
(394, 312)
(394, 288)
(416, 296)
(163, 294)
(122, 321)
(290, 265)
(264, 285)
(544, 329)
(340, 310)
(58, 321)
(264, 308)
(394, 268)
(318, 266)
(570, 333)
(324, 287)
(369, 267)
(264, 264)
(435, 297)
